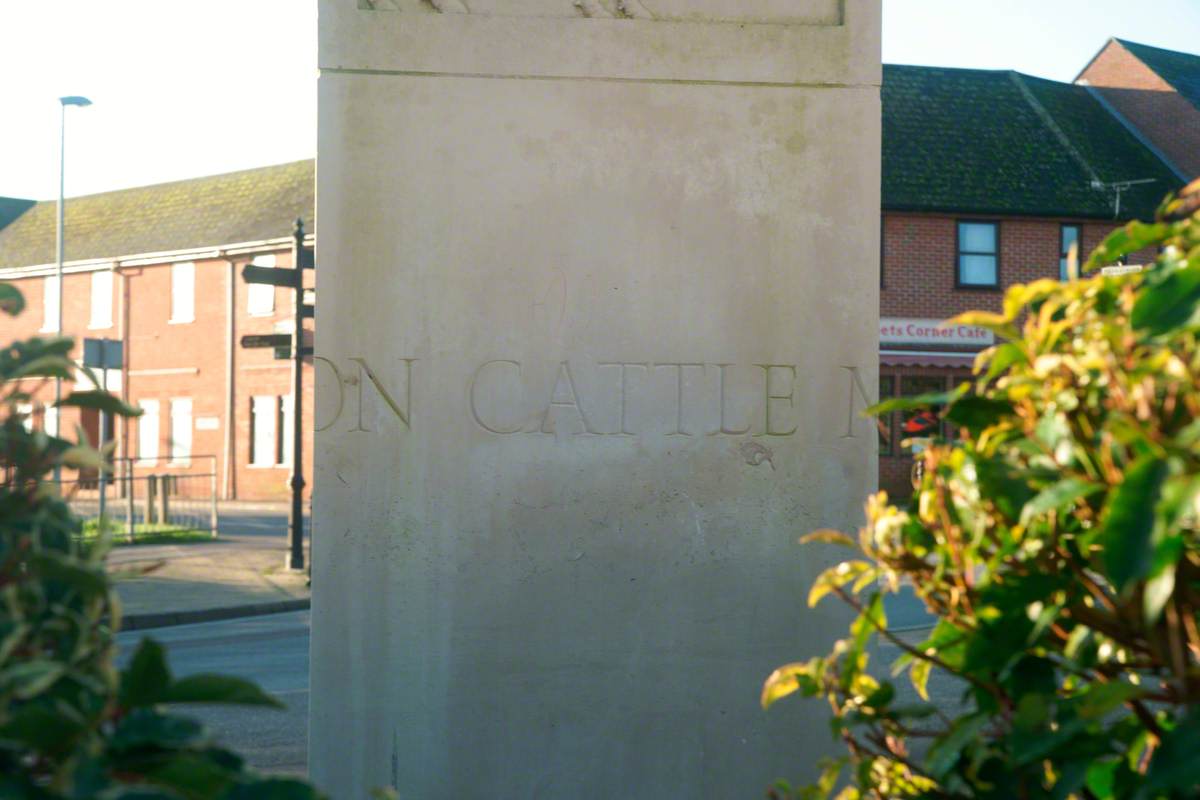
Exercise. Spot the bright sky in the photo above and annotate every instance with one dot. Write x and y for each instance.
(184, 88)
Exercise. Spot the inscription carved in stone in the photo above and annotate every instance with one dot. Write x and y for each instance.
(582, 399)
(787, 12)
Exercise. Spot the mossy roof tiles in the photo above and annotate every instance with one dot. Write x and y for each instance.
(247, 206)
(1001, 143)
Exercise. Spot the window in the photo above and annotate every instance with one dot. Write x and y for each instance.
(978, 254)
(148, 433)
(924, 423)
(260, 301)
(51, 420)
(50, 304)
(264, 418)
(102, 300)
(1069, 237)
(886, 422)
(284, 454)
(25, 411)
(181, 431)
(183, 292)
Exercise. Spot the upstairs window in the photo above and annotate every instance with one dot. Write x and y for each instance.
(50, 304)
(102, 300)
(1069, 236)
(260, 301)
(978, 254)
(183, 292)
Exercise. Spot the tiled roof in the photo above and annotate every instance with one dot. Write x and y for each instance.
(248, 206)
(11, 208)
(1181, 70)
(988, 142)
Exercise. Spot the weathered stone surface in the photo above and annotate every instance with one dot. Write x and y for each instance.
(598, 313)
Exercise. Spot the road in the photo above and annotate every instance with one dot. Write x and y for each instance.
(271, 651)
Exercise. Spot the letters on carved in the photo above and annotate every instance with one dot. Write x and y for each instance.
(699, 404)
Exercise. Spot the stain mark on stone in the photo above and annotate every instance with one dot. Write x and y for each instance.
(756, 454)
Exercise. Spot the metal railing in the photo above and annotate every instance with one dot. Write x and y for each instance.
(147, 502)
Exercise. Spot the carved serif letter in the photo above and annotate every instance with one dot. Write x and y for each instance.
(770, 399)
(403, 414)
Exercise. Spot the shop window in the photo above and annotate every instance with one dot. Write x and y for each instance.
(1069, 236)
(923, 423)
(978, 254)
(886, 422)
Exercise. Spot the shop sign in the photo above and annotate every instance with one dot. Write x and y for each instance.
(902, 330)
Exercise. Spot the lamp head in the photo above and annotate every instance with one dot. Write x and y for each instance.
(74, 100)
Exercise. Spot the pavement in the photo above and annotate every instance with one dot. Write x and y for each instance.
(242, 572)
(270, 650)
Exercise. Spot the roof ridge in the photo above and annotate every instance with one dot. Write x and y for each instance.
(1128, 42)
(1048, 120)
(192, 180)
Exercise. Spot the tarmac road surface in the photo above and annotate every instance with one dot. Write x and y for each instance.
(270, 650)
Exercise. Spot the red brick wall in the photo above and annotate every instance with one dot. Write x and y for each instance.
(920, 261)
(166, 360)
(919, 270)
(1149, 103)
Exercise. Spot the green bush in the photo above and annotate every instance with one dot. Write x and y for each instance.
(1055, 539)
(71, 724)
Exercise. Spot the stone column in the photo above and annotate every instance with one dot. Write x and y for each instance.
(599, 304)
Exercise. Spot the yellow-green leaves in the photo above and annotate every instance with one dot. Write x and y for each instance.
(837, 577)
(790, 679)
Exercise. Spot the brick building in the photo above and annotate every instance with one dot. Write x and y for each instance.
(158, 268)
(988, 178)
(1155, 93)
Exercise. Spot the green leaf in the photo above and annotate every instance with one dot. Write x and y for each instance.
(975, 412)
(946, 749)
(1101, 778)
(829, 537)
(145, 680)
(101, 401)
(917, 402)
(789, 679)
(919, 675)
(1101, 698)
(273, 789)
(87, 579)
(12, 302)
(1129, 522)
(218, 689)
(1175, 765)
(1061, 496)
(146, 729)
(1133, 237)
(1168, 304)
(1158, 591)
(40, 729)
(835, 578)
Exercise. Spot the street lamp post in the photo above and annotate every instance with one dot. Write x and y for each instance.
(73, 100)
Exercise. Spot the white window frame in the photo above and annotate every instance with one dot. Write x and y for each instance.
(51, 419)
(181, 446)
(183, 293)
(260, 297)
(148, 435)
(50, 304)
(101, 300)
(264, 412)
(285, 436)
(26, 410)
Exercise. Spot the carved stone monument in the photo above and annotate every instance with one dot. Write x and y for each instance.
(599, 314)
